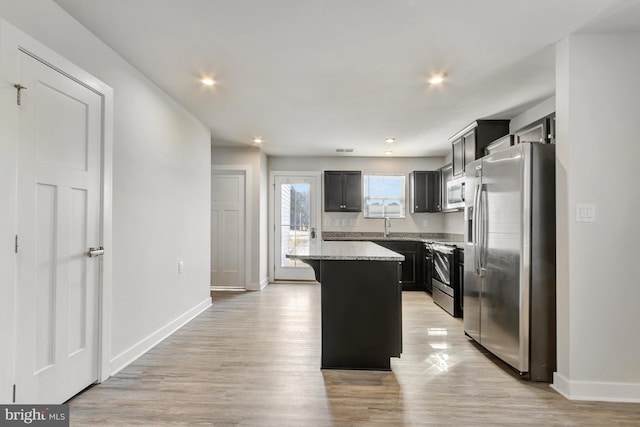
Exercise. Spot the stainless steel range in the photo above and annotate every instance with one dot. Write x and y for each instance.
(446, 288)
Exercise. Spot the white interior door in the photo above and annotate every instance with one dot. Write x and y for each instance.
(296, 223)
(227, 230)
(58, 220)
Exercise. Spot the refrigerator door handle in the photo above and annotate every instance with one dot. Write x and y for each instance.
(482, 261)
(476, 216)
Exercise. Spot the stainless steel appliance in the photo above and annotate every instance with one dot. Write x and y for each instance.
(509, 265)
(445, 286)
(455, 194)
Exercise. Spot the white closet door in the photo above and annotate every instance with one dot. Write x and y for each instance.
(59, 209)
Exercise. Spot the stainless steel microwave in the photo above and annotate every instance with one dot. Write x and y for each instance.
(455, 194)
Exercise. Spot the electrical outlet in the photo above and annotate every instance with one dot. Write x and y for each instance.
(180, 267)
(585, 212)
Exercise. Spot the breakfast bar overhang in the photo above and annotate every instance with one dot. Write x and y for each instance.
(361, 303)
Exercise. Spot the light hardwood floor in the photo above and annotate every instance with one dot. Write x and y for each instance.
(253, 359)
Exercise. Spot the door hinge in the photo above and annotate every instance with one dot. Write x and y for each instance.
(16, 244)
(14, 393)
(19, 88)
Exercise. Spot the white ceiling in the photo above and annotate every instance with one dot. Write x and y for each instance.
(310, 76)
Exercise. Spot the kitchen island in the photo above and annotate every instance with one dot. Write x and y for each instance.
(361, 303)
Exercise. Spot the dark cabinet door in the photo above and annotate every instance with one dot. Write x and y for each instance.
(419, 191)
(333, 191)
(412, 264)
(427, 267)
(542, 131)
(469, 143)
(434, 195)
(457, 156)
(342, 191)
(353, 191)
(425, 191)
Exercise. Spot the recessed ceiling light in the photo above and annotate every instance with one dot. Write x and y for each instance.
(389, 140)
(257, 140)
(208, 81)
(388, 153)
(436, 79)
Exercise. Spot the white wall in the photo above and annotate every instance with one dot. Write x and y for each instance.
(161, 188)
(355, 222)
(534, 113)
(597, 105)
(257, 206)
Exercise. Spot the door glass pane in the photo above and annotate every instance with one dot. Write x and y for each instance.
(295, 221)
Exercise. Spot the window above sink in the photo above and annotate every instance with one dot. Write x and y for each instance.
(384, 196)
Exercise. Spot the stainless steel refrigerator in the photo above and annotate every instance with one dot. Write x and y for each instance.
(509, 257)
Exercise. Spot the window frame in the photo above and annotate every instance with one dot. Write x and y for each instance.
(403, 196)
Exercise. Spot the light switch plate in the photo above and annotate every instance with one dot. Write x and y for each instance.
(585, 212)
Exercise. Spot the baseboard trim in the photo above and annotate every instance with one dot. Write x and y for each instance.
(596, 391)
(130, 355)
(258, 286)
(225, 288)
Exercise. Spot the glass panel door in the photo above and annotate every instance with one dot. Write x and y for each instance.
(295, 224)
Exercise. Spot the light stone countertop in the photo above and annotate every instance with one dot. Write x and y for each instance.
(347, 251)
(354, 237)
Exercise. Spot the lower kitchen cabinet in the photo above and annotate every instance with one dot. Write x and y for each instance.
(427, 266)
(412, 270)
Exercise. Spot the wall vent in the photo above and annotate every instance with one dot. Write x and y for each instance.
(344, 150)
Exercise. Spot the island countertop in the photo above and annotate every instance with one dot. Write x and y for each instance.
(347, 251)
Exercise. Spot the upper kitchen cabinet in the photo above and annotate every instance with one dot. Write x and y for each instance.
(342, 191)
(500, 144)
(542, 130)
(469, 144)
(425, 191)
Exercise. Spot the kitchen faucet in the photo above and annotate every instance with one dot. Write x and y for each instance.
(387, 226)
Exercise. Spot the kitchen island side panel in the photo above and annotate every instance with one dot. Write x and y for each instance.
(361, 314)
